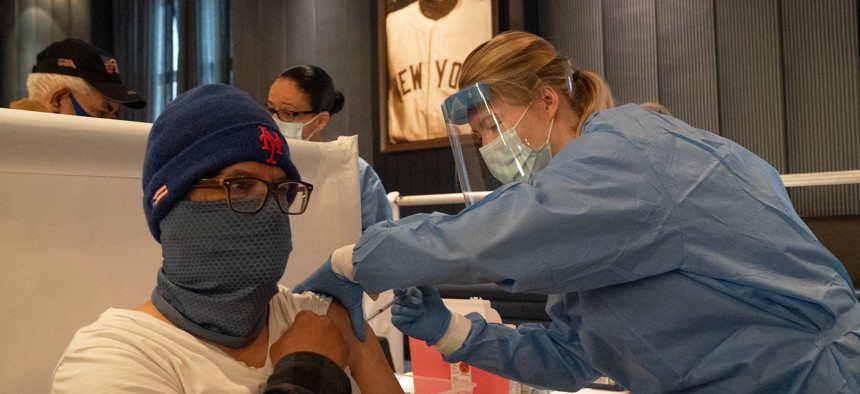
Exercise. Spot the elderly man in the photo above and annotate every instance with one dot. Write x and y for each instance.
(75, 78)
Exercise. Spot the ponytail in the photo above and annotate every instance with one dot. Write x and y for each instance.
(590, 94)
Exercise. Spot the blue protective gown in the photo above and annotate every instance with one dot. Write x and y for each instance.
(674, 262)
(374, 200)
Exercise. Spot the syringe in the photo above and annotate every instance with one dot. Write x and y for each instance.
(381, 309)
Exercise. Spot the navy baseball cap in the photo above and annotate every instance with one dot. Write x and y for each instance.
(96, 66)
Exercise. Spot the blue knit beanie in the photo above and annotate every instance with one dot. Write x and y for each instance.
(203, 131)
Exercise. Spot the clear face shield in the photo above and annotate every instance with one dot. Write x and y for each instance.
(487, 151)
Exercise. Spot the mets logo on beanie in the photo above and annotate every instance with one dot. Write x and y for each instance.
(271, 142)
(200, 133)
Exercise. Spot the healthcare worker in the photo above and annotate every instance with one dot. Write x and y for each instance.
(673, 259)
(302, 100)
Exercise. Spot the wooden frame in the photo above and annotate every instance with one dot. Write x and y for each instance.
(418, 121)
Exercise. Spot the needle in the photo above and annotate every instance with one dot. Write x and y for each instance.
(381, 309)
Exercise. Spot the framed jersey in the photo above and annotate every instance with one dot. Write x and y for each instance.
(422, 47)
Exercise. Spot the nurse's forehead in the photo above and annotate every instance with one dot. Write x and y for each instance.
(484, 109)
(483, 113)
(479, 118)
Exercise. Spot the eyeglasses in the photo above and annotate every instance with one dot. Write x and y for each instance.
(248, 195)
(287, 116)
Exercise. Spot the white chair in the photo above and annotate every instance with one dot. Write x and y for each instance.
(74, 241)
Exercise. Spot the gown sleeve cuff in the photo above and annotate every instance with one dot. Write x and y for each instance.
(341, 261)
(458, 331)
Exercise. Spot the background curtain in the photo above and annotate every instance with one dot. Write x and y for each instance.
(170, 46)
(29, 26)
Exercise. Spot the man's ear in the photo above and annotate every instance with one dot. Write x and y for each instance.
(55, 99)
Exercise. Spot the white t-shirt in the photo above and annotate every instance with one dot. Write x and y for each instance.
(131, 351)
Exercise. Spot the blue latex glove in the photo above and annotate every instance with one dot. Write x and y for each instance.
(419, 313)
(325, 281)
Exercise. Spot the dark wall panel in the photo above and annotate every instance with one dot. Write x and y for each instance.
(576, 28)
(750, 83)
(839, 235)
(259, 55)
(687, 61)
(822, 79)
(351, 66)
(630, 50)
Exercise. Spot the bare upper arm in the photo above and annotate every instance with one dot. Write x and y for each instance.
(367, 362)
(338, 313)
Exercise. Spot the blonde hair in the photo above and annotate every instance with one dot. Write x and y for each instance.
(516, 64)
(39, 85)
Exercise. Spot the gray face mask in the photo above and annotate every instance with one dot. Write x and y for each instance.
(221, 269)
(510, 160)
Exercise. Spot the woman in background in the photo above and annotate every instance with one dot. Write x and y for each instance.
(302, 100)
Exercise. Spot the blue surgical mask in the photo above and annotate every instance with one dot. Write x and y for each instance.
(293, 130)
(221, 269)
(510, 160)
(80, 111)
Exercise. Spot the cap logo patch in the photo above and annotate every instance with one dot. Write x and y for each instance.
(62, 62)
(110, 65)
(272, 143)
(159, 195)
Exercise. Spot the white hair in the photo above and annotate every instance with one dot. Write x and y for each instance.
(39, 85)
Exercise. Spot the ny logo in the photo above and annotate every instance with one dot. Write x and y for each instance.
(271, 142)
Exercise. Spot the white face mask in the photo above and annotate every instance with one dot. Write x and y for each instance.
(293, 130)
(510, 160)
